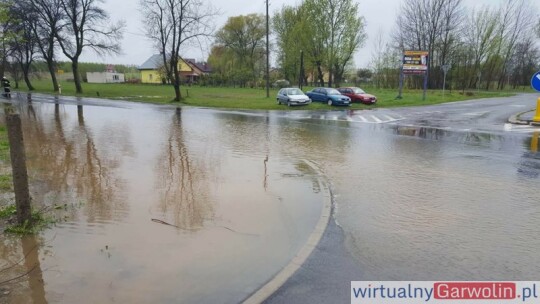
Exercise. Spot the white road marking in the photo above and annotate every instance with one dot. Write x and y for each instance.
(475, 113)
(377, 120)
(390, 118)
(363, 119)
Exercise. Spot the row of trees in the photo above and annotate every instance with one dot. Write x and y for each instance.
(39, 29)
(327, 33)
(488, 47)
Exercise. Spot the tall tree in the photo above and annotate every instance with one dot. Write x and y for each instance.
(48, 15)
(173, 24)
(430, 26)
(292, 33)
(5, 35)
(345, 35)
(316, 37)
(328, 31)
(348, 36)
(244, 36)
(480, 38)
(23, 43)
(85, 25)
(514, 28)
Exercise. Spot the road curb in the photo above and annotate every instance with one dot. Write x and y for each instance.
(286, 272)
(516, 118)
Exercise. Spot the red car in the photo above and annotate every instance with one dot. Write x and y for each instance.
(358, 95)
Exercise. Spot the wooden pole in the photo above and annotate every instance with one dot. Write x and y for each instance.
(18, 165)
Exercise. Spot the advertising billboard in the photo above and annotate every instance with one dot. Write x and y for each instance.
(415, 62)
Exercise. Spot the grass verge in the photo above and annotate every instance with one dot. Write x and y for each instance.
(39, 221)
(247, 98)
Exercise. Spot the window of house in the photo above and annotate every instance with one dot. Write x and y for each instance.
(150, 76)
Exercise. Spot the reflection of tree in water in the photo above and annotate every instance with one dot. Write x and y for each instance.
(21, 274)
(71, 166)
(181, 181)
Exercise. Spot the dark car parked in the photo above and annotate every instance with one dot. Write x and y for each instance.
(358, 95)
(331, 96)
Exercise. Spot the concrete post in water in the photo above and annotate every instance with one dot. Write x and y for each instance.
(536, 117)
(18, 164)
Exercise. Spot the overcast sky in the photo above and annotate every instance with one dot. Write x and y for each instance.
(379, 14)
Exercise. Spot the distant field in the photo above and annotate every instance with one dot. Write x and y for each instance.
(246, 98)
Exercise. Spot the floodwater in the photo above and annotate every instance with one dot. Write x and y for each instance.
(414, 203)
(156, 205)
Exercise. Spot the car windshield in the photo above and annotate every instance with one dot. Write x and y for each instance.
(358, 91)
(294, 92)
(332, 92)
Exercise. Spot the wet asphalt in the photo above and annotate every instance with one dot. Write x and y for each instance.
(327, 274)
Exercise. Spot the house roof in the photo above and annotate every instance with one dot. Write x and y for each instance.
(152, 63)
(202, 66)
(155, 61)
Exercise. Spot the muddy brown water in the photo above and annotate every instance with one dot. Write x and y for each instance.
(157, 205)
(414, 203)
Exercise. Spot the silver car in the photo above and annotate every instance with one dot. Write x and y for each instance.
(292, 97)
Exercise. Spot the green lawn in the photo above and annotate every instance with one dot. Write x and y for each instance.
(246, 98)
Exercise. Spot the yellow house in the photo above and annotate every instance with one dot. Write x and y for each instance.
(152, 69)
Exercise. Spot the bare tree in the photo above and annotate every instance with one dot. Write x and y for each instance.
(85, 26)
(480, 33)
(173, 24)
(515, 28)
(48, 16)
(431, 26)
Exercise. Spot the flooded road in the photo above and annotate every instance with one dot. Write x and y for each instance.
(158, 205)
(414, 203)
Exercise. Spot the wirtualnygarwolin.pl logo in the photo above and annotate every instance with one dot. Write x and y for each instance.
(459, 292)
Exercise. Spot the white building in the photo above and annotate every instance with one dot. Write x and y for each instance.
(105, 77)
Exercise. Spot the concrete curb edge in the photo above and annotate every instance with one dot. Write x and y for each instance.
(516, 118)
(286, 272)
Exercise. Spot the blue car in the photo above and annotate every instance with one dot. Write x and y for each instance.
(331, 96)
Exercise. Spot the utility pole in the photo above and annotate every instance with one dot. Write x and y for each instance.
(301, 80)
(18, 165)
(267, 52)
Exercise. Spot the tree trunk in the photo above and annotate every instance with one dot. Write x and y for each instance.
(50, 66)
(28, 83)
(76, 76)
(176, 80)
(177, 93)
(320, 74)
(330, 74)
(26, 72)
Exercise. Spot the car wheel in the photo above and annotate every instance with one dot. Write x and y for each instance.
(330, 102)
(289, 104)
